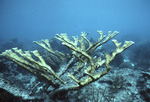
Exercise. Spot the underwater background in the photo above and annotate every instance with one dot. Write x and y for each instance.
(39, 19)
(25, 21)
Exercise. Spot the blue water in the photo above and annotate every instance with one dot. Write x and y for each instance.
(40, 19)
(24, 21)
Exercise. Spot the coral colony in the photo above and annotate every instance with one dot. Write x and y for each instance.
(81, 67)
